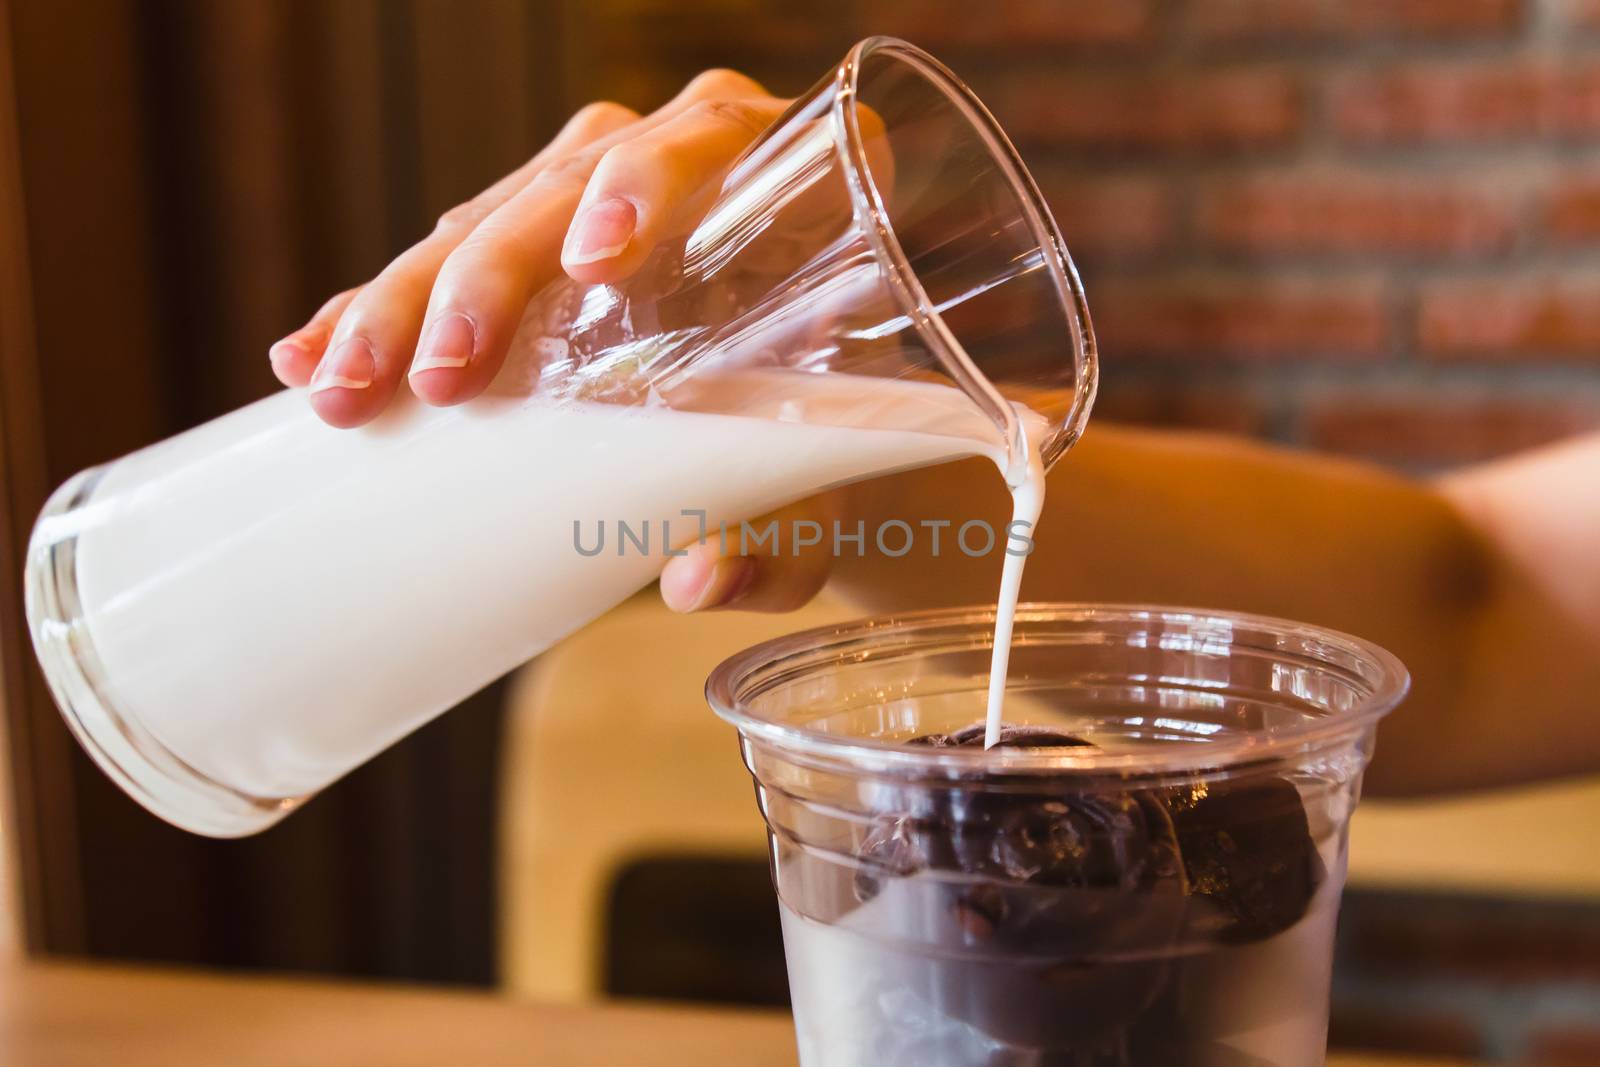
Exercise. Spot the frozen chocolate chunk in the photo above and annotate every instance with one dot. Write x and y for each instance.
(1243, 848)
(1248, 852)
(1017, 835)
(1022, 837)
(1028, 888)
(1010, 737)
(1054, 919)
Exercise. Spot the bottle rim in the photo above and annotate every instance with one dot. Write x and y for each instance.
(873, 215)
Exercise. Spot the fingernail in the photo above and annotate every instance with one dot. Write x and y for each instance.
(302, 342)
(682, 584)
(727, 581)
(350, 366)
(448, 344)
(601, 232)
(285, 351)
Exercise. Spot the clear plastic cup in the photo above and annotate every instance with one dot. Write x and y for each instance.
(1164, 895)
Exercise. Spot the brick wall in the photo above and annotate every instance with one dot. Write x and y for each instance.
(1480, 979)
(1365, 226)
(1368, 226)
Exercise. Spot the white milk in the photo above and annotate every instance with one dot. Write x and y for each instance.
(276, 600)
(1027, 501)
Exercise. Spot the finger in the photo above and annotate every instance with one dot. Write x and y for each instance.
(372, 345)
(600, 124)
(645, 188)
(486, 282)
(876, 147)
(295, 357)
(780, 574)
(822, 203)
(705, 580)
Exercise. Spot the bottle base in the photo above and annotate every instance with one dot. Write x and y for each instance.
(119, 744)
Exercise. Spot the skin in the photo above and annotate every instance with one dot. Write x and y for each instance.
(1486, 582)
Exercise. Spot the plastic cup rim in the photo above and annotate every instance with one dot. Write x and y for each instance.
(749, 673)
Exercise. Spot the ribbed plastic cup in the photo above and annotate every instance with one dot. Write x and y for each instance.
(1162, 895)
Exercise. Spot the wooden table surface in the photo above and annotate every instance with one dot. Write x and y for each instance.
(64, 1015)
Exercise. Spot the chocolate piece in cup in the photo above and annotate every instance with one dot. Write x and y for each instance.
(1071, 902)
(1010, 737)
(1247, 849)
(1044, 883)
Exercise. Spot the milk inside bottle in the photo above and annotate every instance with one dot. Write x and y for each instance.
(235, 617)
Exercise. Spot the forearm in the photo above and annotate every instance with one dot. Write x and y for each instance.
(1214, 522)
(1533, 649)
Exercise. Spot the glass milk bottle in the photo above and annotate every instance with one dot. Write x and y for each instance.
(235, 617)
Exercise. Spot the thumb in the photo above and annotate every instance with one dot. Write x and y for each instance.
(775, 563)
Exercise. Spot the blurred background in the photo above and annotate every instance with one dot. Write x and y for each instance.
(1361, 226)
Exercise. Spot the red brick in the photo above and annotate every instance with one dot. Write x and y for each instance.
(1572, 211)
(682, 37)
(1228, 110)
(1574, 1045)
(1428, 430)
(1506, 942)
(1469, 102)
(956, 24)
(1111, 218)
(1345, 213)
(1240, 319)
(1584, 14)
(1192, 408)
(1501, 319)
(1379, 1028)
(1272, 20)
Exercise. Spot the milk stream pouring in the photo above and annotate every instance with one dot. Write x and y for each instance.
(235, 617)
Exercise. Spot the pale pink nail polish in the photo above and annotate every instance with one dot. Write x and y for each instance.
(448, 343)
(729, 581)
(285, 351)
(683, 586)
(349, 366)
(602, 231)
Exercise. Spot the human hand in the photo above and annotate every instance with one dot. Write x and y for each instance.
(594, 203)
